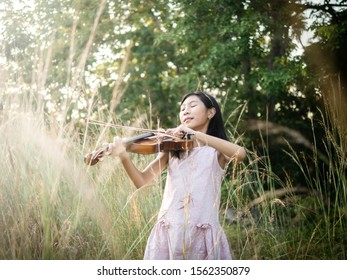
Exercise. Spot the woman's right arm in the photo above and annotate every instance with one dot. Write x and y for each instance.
(142, 178)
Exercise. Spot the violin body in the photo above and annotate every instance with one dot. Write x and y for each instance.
(143, 144)
(149, 146)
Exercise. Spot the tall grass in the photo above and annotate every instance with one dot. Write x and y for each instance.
(55, 207)
(286, 221)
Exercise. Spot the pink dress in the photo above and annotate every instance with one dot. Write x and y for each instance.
(188, 222)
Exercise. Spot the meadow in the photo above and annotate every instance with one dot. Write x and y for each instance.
(53, 206)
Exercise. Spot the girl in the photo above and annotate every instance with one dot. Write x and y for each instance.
(188, 222)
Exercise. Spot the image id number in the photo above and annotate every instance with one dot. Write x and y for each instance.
(223, 270)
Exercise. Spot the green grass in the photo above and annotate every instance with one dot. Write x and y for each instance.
(55, 207)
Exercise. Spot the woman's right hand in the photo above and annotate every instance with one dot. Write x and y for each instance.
(180, 131)
(116, 148)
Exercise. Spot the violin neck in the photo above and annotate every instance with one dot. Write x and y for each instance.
(138, 137)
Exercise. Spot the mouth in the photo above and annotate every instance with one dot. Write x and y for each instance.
(187, 119)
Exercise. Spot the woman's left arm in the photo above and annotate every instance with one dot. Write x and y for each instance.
(227, 151)
(231, 151)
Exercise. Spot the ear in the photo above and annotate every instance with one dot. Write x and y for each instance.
(211, 112)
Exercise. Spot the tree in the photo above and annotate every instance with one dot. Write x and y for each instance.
(133, 55)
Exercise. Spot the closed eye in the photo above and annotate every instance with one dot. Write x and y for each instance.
(191, 104)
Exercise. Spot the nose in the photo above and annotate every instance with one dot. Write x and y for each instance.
(186, 111)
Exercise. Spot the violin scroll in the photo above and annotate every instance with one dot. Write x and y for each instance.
(95, 156)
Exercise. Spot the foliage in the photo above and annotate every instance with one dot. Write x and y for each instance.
(244, 54)
(131, 61)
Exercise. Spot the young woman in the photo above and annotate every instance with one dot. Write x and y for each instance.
(188, 222)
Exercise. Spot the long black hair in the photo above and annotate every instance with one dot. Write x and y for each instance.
(216, 125)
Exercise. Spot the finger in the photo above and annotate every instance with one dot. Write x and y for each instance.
(109, 149)
(106, 146)
(116, 139)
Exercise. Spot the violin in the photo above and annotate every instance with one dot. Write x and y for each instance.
(143, 144)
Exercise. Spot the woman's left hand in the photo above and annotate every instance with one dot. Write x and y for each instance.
(116, 148)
